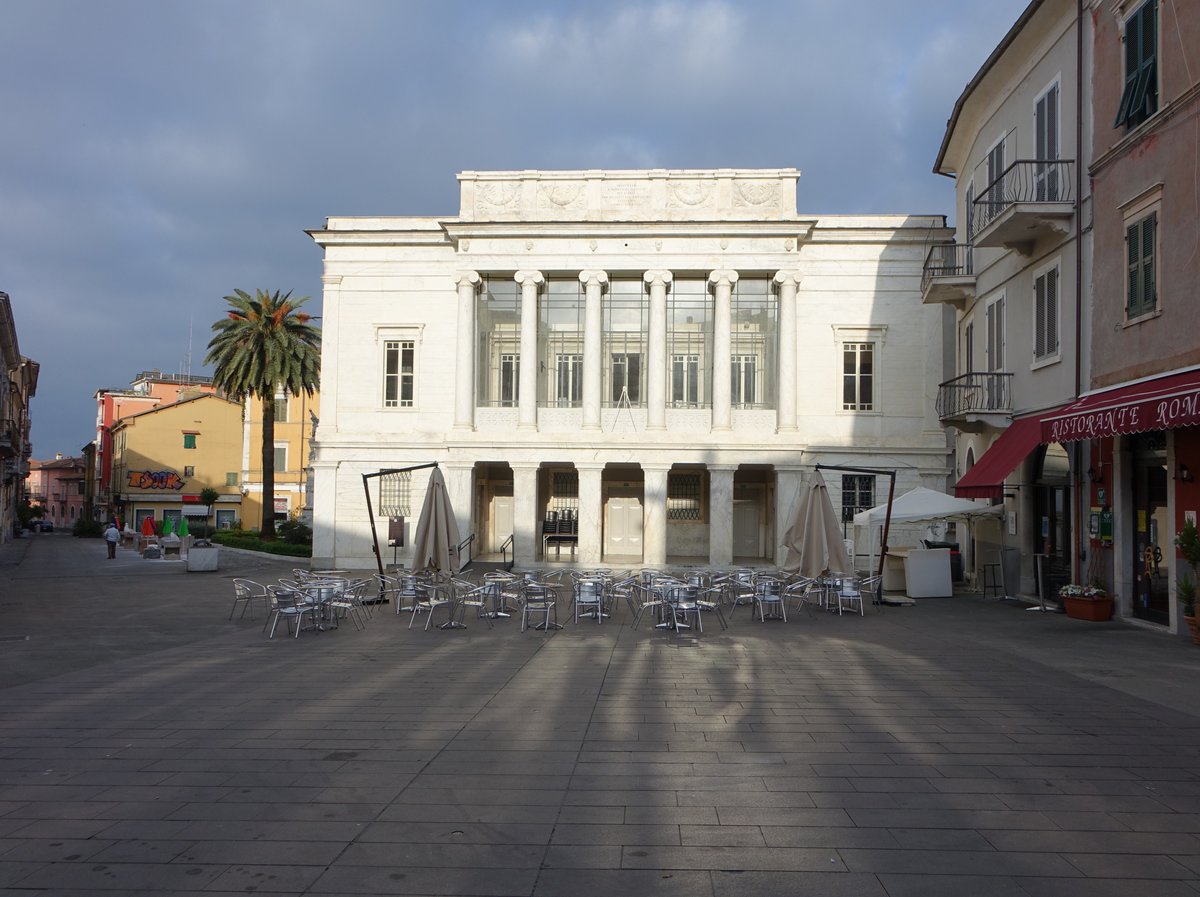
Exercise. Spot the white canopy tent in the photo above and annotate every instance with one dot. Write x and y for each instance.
(920, 505)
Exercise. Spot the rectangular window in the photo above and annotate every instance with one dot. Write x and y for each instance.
(1139, 97)
(685, 497)
(568, 391)
(281, 409)
(858, 494)
(510, 379)
(1140, 243)
(1045, 315)
(498, 326)
(560, 337)
(744, 375)
(399, 373)
(189, 440)
(968, 365)
(685, 381)
(626, 378)
(225, 519)
(231, 479)
(1045, 126)
(858, 377)
(626, 323)
(189, 471)
(995, 180)
(689, 343)
(753, 343)
(564, 494)
(281, 453)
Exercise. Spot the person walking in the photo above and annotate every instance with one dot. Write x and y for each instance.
(112, 536)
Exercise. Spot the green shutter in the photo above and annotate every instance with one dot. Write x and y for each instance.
(1052, 311)
(1133, 242)
(1148, 297)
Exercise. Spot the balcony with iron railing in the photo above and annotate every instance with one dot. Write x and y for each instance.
(974, 400)
(948, 275)
(1030, 200)
(10, 438)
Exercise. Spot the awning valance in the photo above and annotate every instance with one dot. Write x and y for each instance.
(986, 478)
(1163, 403)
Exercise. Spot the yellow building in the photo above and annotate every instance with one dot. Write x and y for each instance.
(164, 457)
(294, 425)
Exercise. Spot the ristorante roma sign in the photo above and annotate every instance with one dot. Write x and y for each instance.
(1162, 404)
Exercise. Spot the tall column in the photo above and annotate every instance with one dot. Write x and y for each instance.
(720, 515)
(722, 281)
(526, 519)
(656, 360)
(654, 515)
(785, 416)
(788, 483)
(460, 487)
(593, 325)
(464, 387)
(527, 410)
(589, 513)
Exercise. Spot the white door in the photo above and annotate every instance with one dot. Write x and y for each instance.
(502, 521)
(623, 526)
(747, 542)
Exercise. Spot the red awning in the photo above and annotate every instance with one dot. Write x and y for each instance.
(1163, 403)
(986, 478)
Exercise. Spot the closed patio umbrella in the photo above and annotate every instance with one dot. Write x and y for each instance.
(166, 526)
(813, 544)
(182, 532)
(436, 538)
(147, 526)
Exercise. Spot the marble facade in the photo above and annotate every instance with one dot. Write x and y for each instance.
(706, 475)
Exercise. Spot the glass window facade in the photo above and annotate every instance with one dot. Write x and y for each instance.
(560, 343)
(626, 322)
(498, 322)
(689, 343)
(754, 343)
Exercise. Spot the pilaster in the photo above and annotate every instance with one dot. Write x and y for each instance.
(789, 285)
(464, 387)
(527, 406)
(593, 325)
(722, 281)
(656, 383)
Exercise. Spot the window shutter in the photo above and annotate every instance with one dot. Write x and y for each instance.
(1133, 242)
(1052, 311)
(1148, 298)
(1132, 70)
(1039, 316)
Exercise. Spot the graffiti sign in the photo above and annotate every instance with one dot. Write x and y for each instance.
(154, 479)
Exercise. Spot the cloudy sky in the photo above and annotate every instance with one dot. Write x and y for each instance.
(157, 154)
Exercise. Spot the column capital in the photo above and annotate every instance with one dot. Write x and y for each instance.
(656, 466)
(466, 278)
(529, 276)
(788, 278)
(657, 276)
(593, 276)
(723, 277)
(331, 280)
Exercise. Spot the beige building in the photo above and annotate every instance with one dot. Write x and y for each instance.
(164, 457)
(295, 420)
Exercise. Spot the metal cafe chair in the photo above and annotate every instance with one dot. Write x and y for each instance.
(769, 599)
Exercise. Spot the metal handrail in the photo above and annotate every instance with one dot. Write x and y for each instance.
(947, 260)
(465, 543)
(988, 392)
(508, 543)
(1028, 181)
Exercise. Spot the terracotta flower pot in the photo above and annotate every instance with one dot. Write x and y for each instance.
(1193, 627)
(1096, 610)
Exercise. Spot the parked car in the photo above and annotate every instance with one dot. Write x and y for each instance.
(44, 526)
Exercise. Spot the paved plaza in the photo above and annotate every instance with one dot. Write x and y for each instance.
(958, 747)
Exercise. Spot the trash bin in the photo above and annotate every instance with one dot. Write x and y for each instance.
(956, 564)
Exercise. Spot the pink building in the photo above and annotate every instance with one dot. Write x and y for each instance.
(60, 485)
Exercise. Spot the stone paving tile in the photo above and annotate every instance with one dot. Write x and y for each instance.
(609, 882)
(790, 884)
(409, 880)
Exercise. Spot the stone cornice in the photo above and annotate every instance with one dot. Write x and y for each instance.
(456, 230)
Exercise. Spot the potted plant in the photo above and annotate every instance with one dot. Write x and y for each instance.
(202, 556)
(1086, 602)
(1188, 542)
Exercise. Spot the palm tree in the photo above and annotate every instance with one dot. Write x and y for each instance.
(263, 345)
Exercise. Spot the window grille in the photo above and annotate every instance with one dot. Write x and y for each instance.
(564, 493)
(395, 494)
(858, 494)
(685, 496)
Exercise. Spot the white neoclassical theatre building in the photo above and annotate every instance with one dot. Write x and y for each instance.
(650, 361)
